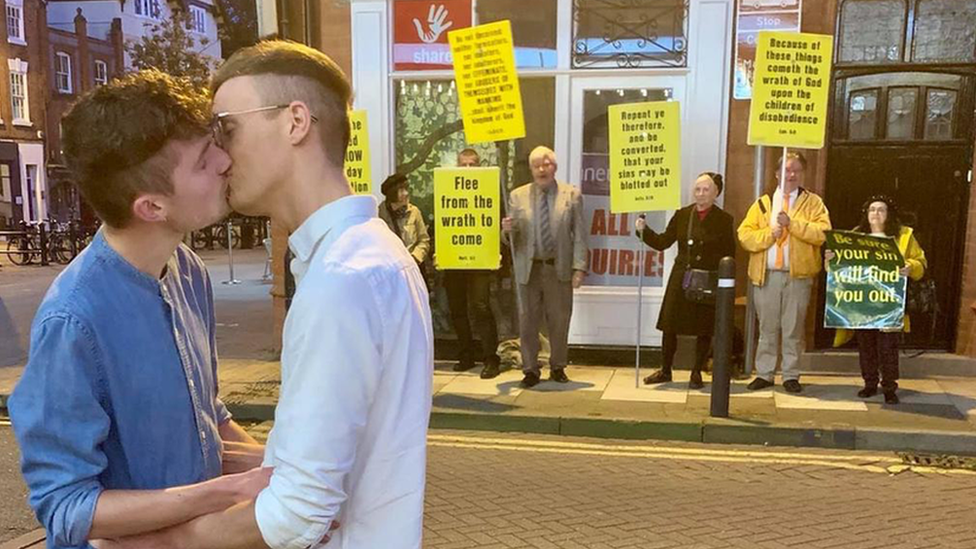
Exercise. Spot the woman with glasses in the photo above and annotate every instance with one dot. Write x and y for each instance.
(878, 349)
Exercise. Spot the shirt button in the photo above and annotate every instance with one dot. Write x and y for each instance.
(203, 434)
(192, 385)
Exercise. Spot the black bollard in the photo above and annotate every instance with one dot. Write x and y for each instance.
(722, 341)
(44, 243)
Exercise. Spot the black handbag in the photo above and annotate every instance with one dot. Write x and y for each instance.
(699, 285)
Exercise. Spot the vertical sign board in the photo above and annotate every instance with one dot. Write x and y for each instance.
(789, 101)
(488, 86)
(357, 154)
(645, 156)
(467, 221)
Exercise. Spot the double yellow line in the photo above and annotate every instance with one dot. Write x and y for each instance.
(884, 464)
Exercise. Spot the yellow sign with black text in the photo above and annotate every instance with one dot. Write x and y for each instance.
(790, 90)
(645, 156)
(357, 155)
(487, 83)
(467, 230)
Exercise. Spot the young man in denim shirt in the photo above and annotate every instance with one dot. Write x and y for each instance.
(117, 414)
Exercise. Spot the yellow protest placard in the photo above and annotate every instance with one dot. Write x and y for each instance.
(645, 156)
(357, 155)
(789, 96)
(467, 218)
(488, 87)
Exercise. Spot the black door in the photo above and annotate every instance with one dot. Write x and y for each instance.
(929, 183)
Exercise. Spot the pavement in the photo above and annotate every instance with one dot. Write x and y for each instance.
(937, 414)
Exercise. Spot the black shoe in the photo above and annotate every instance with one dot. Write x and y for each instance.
(696, 380)
(464, 365)
(558, 375)
(891, 397)
(792, 386)
(759, 384)
(659, 376)
(530, 380)
(867, 392)
(491, 370)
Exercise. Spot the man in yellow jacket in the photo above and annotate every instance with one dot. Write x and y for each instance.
(782, 233)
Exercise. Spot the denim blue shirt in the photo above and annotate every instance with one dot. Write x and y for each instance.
(120, 388)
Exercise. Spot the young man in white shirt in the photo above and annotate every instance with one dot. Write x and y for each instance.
(349, 441)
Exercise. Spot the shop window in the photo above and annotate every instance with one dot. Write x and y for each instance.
(630, 33)
(945, 31)
(613, 260)
(429, 134)
(862, 117)
(533, 30)
(939, 110)
(872, 31)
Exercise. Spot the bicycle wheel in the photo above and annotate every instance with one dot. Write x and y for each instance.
(200, 240)
(60, 250)
(221, 238)
(17, 244)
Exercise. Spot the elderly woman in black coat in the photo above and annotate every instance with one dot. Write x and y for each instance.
(705, 235)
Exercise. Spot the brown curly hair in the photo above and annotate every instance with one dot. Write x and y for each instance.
(301, 74)
(114, 139)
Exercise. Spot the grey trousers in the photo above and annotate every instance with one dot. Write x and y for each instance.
(782, 308)
(545, 295)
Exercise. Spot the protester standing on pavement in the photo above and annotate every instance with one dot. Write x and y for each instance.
(350, 433)
(471, 288)
(783, 232)
(117, 416)
(705, 234)
(545, 225)
(878, 349)
(404, 219)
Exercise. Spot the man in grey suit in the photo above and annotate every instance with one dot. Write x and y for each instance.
(545, 226)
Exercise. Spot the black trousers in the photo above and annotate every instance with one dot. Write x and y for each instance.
(878, 350)
(470, 290)
(703, 344)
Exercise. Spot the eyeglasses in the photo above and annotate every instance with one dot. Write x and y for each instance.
(218, 131)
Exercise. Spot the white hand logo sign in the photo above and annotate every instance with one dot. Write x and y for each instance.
(435, 22)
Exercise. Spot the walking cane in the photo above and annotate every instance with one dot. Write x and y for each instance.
(640, 302)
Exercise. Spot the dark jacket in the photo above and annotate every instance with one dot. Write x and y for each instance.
(711, 239)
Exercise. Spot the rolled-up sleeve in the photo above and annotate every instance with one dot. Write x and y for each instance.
(60, 424)
(330, 371)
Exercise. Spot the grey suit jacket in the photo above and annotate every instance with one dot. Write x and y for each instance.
(567, 225)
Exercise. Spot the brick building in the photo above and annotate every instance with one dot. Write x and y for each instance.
(77, 61)
(23, 87)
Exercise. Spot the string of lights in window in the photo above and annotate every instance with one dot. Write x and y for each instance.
(609, 34)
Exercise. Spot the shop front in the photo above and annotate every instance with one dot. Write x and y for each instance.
(575, 59)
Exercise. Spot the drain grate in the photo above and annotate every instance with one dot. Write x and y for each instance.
(940, 461)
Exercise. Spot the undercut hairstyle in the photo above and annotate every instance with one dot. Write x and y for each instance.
(287, 71)
(114, 139)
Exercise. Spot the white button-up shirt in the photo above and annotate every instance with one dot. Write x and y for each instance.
(349, 440)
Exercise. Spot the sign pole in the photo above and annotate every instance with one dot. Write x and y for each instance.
(641, 253)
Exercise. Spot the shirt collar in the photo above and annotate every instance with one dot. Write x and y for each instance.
(102, 250)
(320, 224)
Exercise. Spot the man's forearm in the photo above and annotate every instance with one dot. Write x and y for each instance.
(238, 457)
(121, 513)
(230, 431)
(233, 528)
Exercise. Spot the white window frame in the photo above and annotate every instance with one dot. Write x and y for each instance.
(101, 72)
(6, 194)
(18, 70)
(198, 19)
(62, 72)
(18, 7)
(150, 9)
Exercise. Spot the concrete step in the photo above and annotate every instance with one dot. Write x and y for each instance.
(912, 364)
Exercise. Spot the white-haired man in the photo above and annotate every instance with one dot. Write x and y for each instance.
(545, 225)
